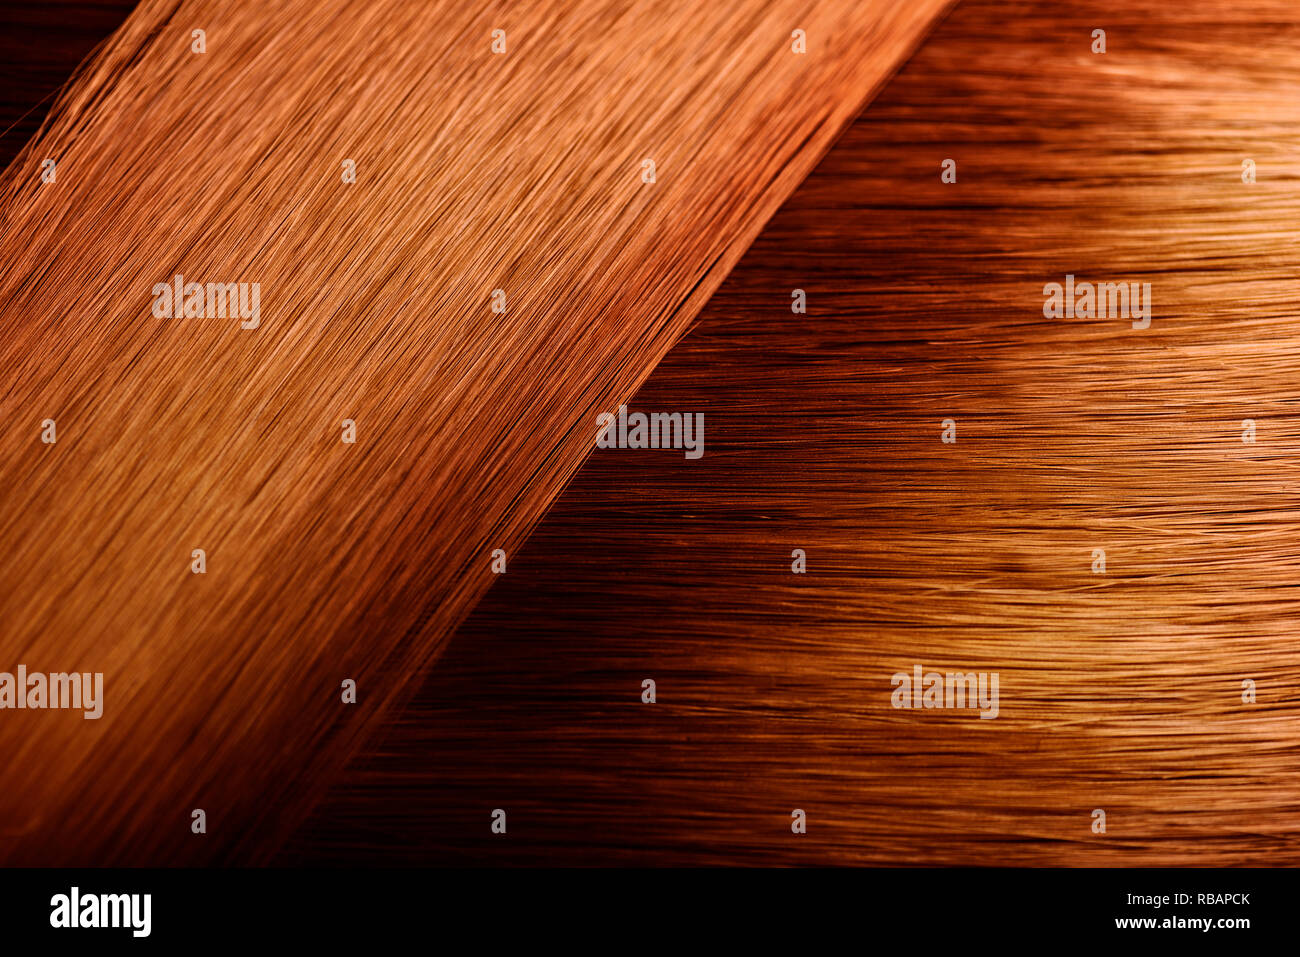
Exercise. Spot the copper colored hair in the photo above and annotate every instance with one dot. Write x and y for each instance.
(476, 171)
(1120, 691)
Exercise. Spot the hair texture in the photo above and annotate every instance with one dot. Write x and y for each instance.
(1120, 690)
(476, 171)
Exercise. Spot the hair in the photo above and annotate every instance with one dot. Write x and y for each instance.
(502, 267)
(1121, 689)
